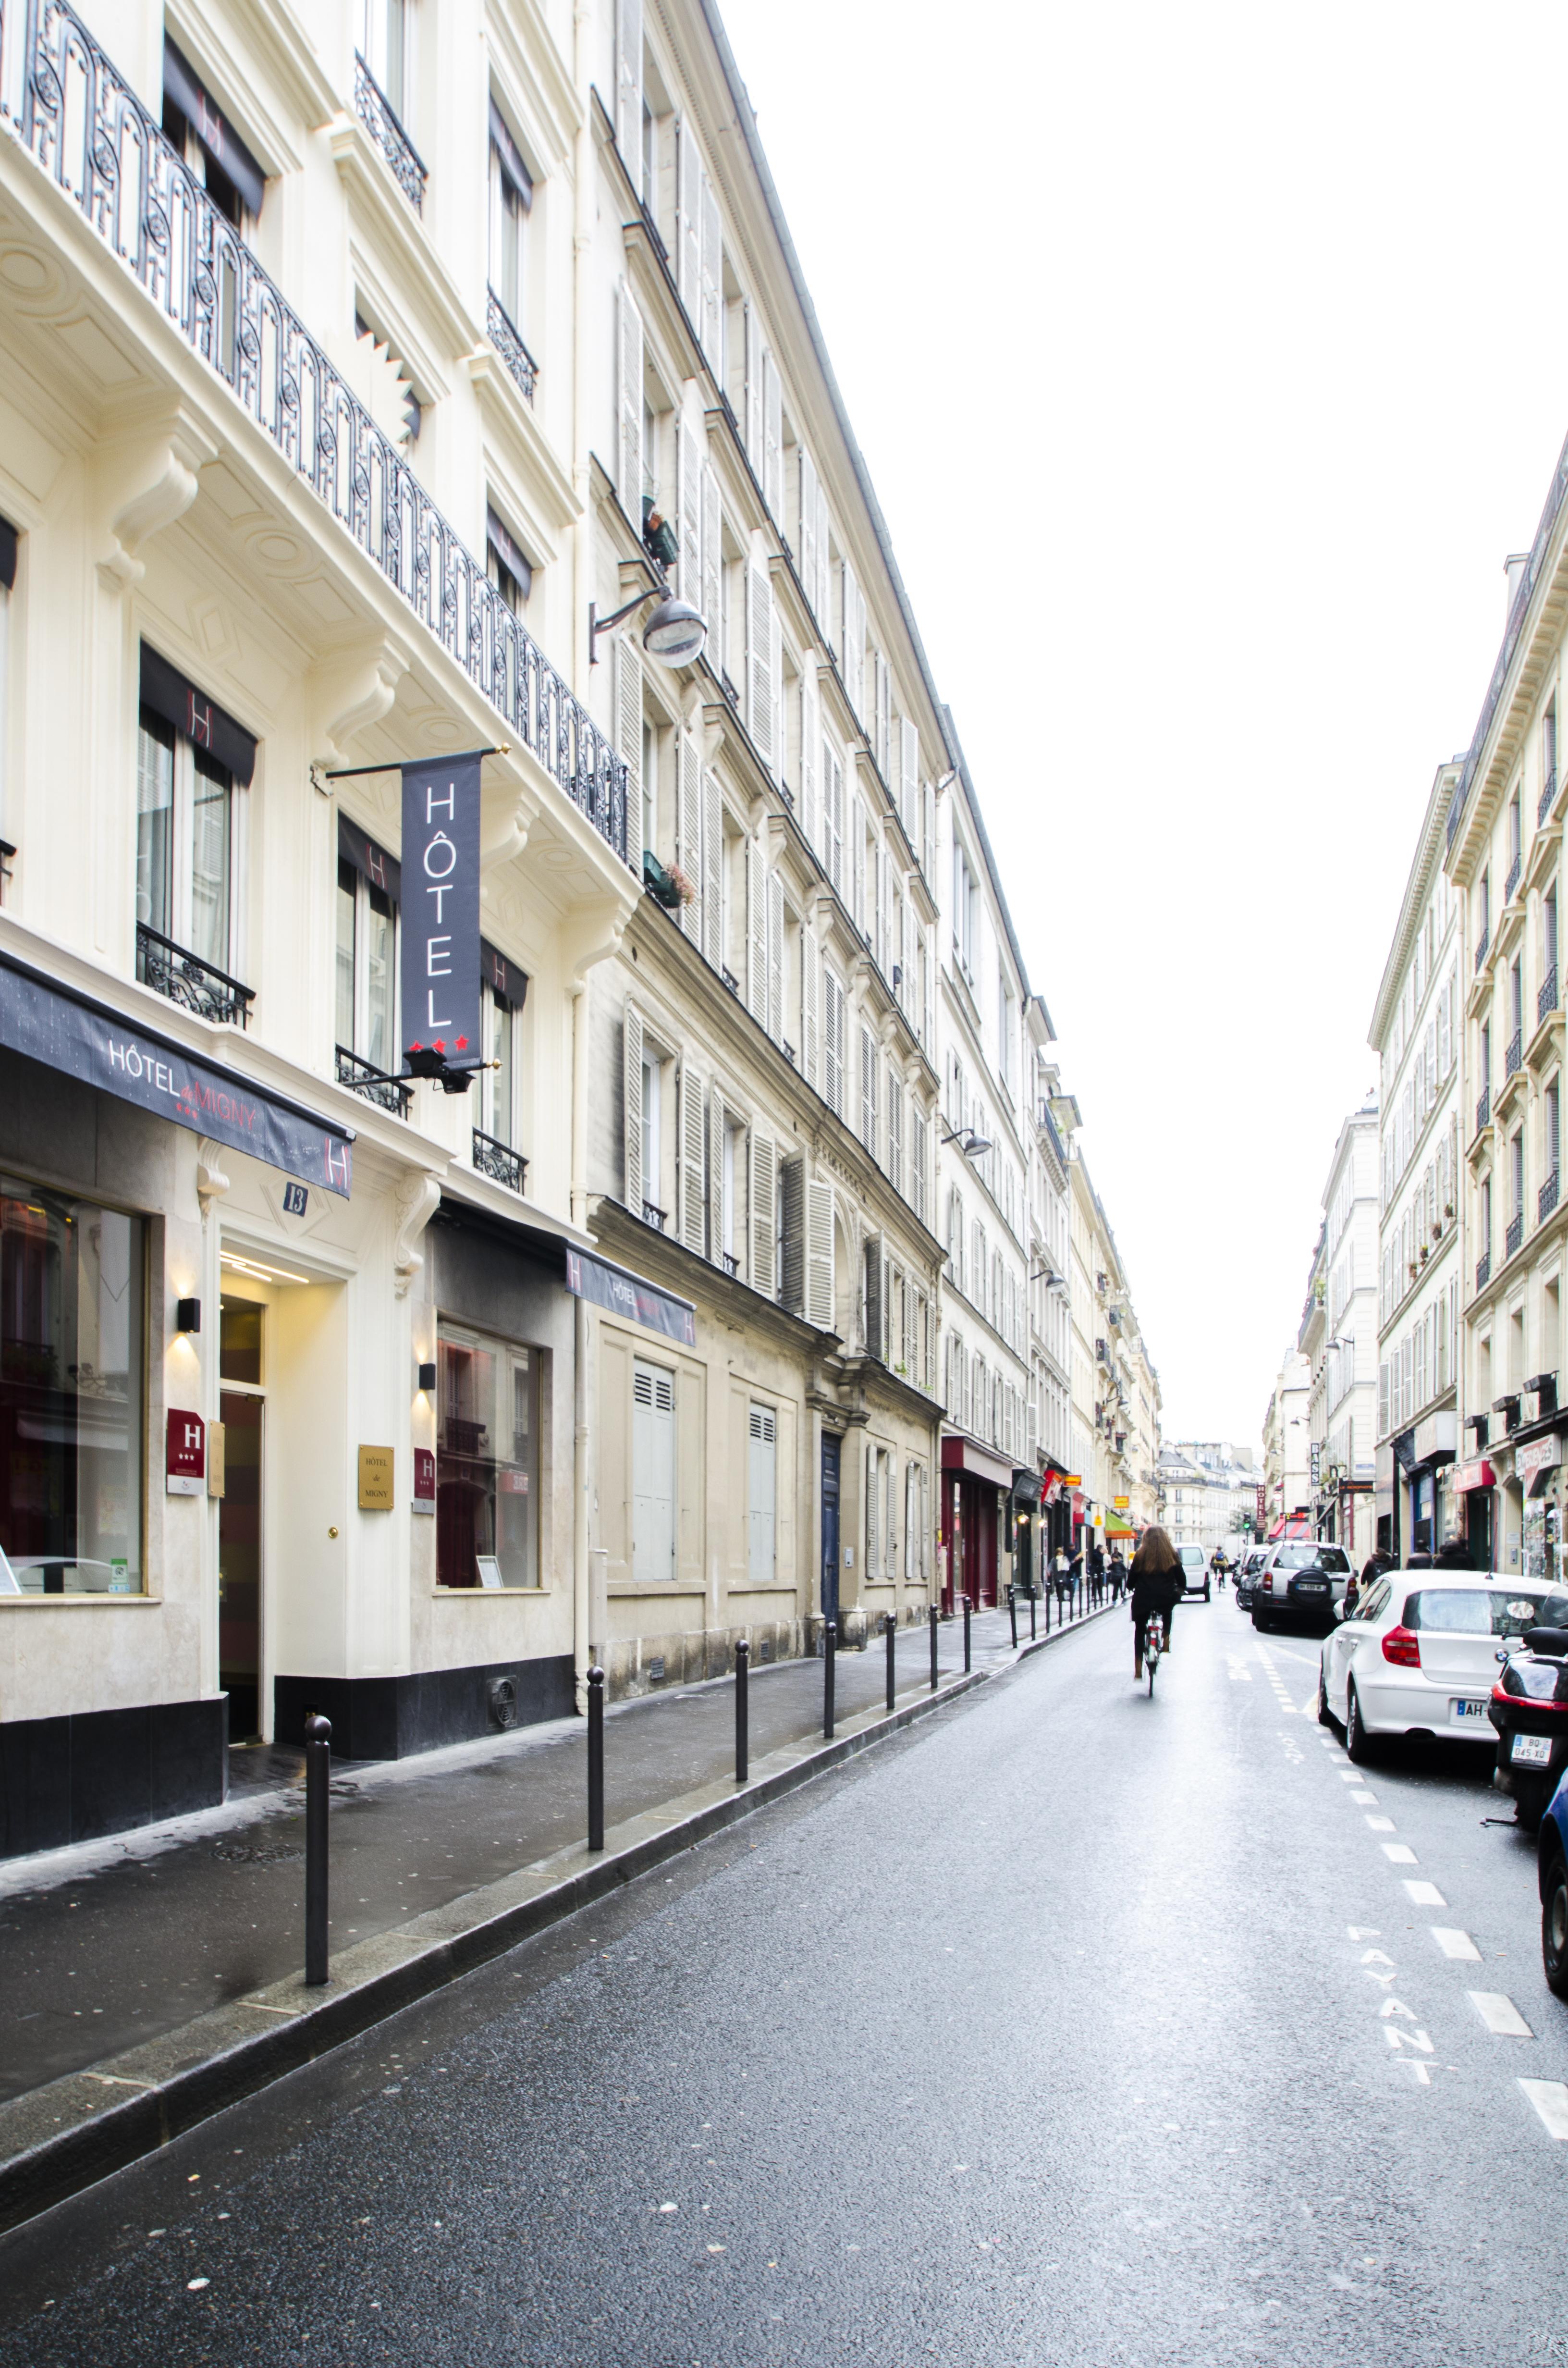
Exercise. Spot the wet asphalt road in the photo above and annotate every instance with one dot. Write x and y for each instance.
(1057, 2031)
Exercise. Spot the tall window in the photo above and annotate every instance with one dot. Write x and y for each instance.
(652, 1474)
(487, 1461)
(762, 1494)
(73, 1366)
(1516, 997)
(1553, 1126)
(500, 1096)
(1515, 831)
(511, 197)
(1549, 930)
(185, 869)
(367, 965)
(966, 904)
(652, 1136)
(386, 31)
(1517, 1167)
(505, 564)
(1484, 908)
(212, 152)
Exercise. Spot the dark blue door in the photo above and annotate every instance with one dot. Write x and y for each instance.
(829, 1526)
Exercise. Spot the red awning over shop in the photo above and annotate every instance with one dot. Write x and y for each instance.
(1478, 1474)
(960, 1454)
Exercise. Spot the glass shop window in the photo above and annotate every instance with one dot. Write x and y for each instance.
(73, 1394)
(487, 1461)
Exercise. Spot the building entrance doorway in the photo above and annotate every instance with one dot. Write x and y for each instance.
(239, 1517)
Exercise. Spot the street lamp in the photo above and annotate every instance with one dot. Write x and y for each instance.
(973, 1144)
(674, 635)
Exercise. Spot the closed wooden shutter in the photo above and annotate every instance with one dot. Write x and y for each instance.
(757, 933)
(652, 1474)
(689, 828)
(918, 1155)
(792, 1187)
(833, 1040)
(688, 222)
(819, 1255)
(632, 1109)
(711, 325)
(772, 436)
(856, 819)
(868, 1090)
(873, 1524)
(776, 957)
(889, 1513)
(896, 1132)
(821, 592)
(691, 1184)
(629, 345)
(712, 869)
(832, 816)
(884, 958)
(629, 85)
(852, 636)
(811, 1004)
(754, 388)
(759, 660)
(884, 717)
(873, 1307)
(688, 513)
(910, 1518)
(628, 672)
(762, 1494)
(718, 1126)
(711, 600)
(760, 1186)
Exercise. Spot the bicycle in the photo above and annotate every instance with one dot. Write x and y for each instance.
(1154, 1645)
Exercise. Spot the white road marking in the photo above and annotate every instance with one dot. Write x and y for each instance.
(1348, 1776)
(1550, 2098)
(1416, 2038)
(1400, 1854)
(1423, 1894)
(1380, 1825)
(1364, 1932)
(1309, 1708)
(1455, 1943)
(1500, 2015)
(1368, 1800)
(1371, 1956)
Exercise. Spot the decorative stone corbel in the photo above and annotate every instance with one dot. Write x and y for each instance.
(157, 484)
(350, 693)
(507, 816)
(596, 933)
(212, 1183)
(418, 1199)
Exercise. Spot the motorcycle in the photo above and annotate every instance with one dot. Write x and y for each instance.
(1529, 1711)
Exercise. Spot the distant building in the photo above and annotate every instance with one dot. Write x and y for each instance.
(1210, 1491)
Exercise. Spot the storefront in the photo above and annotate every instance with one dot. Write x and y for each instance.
(976, 1487)
(1025, 1528)
(1432, 1512)
(1471, 1487)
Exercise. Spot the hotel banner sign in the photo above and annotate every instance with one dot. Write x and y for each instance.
(81, 1039)
(624, 1294)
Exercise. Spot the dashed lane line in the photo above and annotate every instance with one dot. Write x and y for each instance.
(1400, 1854)
(1500, 2015)
(1380, 1825)
(1550, 2098)
(1455, 1943)
(1423, 1895)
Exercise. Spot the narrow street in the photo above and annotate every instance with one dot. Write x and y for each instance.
(1069, 2027)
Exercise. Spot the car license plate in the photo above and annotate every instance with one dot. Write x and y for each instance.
(1311, 1587)
(1470, 1712)
(1535, 1749)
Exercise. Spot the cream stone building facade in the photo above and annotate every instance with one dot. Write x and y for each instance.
(1286, 1442)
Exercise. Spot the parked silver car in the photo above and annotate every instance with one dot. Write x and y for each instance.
(1301, 1579)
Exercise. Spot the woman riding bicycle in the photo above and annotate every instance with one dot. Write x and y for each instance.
(1156, 1585)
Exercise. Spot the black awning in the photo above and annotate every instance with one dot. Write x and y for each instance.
(627, 1294)
(382, 869)
(177, 700)
(77, 1037)
(212, 128)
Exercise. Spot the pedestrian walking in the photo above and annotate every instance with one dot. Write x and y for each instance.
(1118, 1575)
(1097, 1573)
(1453, 1555)
(1156, 1583)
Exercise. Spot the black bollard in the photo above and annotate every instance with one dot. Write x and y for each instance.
(595, 1759)
(933, 1648)
(889, 1629)
(1033, 1631)
(318, 1778)
(829, 1671)
(968, 1646)
(1012, 1614)
(743, 1712)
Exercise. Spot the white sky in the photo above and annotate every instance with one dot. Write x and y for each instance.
(1207, 361)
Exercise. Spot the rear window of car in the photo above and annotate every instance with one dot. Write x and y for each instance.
(1305, 1557)
(1477, 1612)
(1191, 1554)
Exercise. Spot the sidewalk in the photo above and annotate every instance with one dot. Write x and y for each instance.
(114, 1952)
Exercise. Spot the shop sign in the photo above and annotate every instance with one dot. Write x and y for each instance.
(424, 1480)
(1478, 1474)
(376, 1480)
(1539, 1455)
(185, 1454)
(1072, 1480)
(439, 919)
(1437, 1437)
(628, 1295)
(1121, 1503)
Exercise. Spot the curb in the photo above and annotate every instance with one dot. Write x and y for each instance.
(186, 2076)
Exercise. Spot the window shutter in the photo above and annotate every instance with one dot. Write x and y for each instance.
(688, 513)
(832, 816)
(819, 1255)
(628, 668)
(884, 960)
(711, 325)
(896, 1132)
(791, 1184)
(857, 822)
(689, 828)
(909, 780)
(889, 1513)
(759, 653)
(712, 861)
(629, 85)
(763, 1449)
(910, 1521)
(772, 436)
(884, 718)
(632, 1109)
(711, 600)
(688, 222)
(833, 1040)
(691, 1186)
(917, 1157)
(760, 1209)
(873, 1541)
(717, 1120)
(810, 1003)
(754, 388)
(776, 957)
(652, 1472)
(821, 591)
(776, 681)
(629, 389)
(875, 1340)
(810, 758)
(927, 831)
(868, 1090)
(757, 933)
(808, 553)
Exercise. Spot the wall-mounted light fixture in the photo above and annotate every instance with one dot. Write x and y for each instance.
(674, 635)
(973, 1144)
(428, 1376)
(187, 1315)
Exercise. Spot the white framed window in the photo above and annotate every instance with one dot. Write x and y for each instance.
(762, 1494)
(190, 832)
(366, 1018)
(386, 44)
(505, 564)
(511, 201)
(652, 1474)
(500, 1087)
(652, 1129)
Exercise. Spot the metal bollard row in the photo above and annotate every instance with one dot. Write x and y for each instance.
(318, 1781)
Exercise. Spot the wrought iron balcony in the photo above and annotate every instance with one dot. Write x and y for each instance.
(730, 1262)
(185, 979)
(1512, 881)
(379, 117)
(499, 1161)
(1546, 1199)
(1547, 999)
(509, 344)
(1548, 793)
(654, 1215)
(1481, 948)
(1515, 1053)
(364, 1078)
(1484, 1271)
(1515, 1234)
(104, 149)
(1483, 1111)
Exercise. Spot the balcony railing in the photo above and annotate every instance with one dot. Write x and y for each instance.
(509, 344)
(1512, 881)
(1484, 1271)
(731, 1263)
(185, 979)
(1483, 1111)
(364, 1078)
(499, 1161)
(1546, 1199)
(1515, 1053)
(1547, 999)
(1548, 793)
(379, 117)
(1515, 1234)
(91, 135)
(1481, 948)
(654, 1215)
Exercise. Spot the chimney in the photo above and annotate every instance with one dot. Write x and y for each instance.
(1513, 568)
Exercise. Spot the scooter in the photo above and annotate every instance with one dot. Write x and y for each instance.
(1529, 1711)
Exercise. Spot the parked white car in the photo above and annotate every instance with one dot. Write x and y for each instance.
(1418, 1655)
(1195, 1576)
